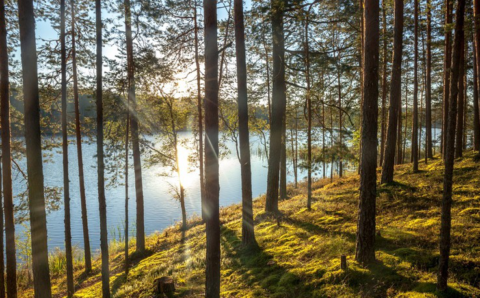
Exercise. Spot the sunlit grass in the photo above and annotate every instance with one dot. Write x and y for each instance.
(299, 254)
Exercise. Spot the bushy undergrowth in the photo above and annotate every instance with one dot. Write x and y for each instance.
(299, 253)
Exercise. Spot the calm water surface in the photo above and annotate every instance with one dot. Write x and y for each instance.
(161, 210)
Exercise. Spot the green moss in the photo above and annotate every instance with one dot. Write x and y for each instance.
(299, 254)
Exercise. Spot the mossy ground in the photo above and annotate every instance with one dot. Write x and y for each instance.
(299, 253)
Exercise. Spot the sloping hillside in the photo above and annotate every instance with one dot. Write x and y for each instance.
(299, 254)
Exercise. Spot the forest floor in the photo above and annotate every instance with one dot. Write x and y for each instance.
(299, 253)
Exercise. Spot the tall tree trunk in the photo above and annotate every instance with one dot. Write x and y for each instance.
(384, 84)
(406, 122)
(36, 197)
(2, 261)
(476, 117)
(446, 72)
(6, 159)
(428, 91)
(340, 122)
(127, 133)
(399, 134)
(248, 233)
(460, 105)
(283, 162)
(309, 112)
(78, 135)
(200, 113)
(66, 181)
(137, 162)
(414, 142)
(395, 96)
(102, 205)
(212, 186)
(446, 217)
(365, 246)
(278, 105)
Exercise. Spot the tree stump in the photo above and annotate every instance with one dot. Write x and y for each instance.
(164, 286)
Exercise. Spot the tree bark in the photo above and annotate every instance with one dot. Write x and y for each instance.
(248, 232)
(395, 96)
(2, 260)
(102, 205)
(428, 91)
(414, 142)
(212, 186)
(365, 244)
(127, 132)
(10, 251)
(278, 105)
(449, 153)
(384, 85)
(476, 117)
(137, 162)
(446, 71)
(460, 105)
(36, 197)
(78, 135)
(66, 180)
(309, 112)
(200, 113)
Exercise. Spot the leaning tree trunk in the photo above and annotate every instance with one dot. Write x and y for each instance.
(212, 186)
(78, 135)
(428, 91)
(36, 196)
(278, 105)
(248, 233)
(102, 205)
(365, 246)
(66, 180)
(446, 73)
(6, 160)
(137, 162)
(395, 96)
(446, 217)
(460, 105)
(414, 142)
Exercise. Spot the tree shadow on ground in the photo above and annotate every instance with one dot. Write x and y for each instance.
(258, 269)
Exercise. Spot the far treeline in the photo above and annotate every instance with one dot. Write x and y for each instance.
(353, 84)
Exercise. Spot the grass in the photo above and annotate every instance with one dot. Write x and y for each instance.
(299, 255)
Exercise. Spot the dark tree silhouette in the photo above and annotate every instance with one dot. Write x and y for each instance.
(365, 244)
(446, 217)
(10, 252)
(446, 74)
(66, 181)
(36, 197)
(248, 233)
(278, 105)
(212, 187)
(394, 116)
(428, 87)
(78, 136)
(102, 205)
(414, 142)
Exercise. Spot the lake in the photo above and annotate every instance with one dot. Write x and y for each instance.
(161, 209)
